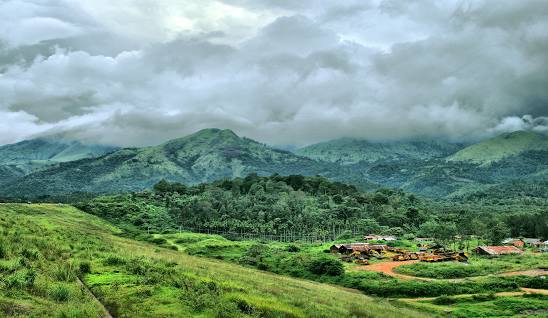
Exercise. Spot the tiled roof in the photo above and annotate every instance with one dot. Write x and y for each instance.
(499, 250)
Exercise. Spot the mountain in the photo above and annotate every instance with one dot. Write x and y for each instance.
(502, 146)
(27, 155)
(207, 155)
(350, 151)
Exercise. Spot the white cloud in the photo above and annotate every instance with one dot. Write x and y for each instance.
(141, 72)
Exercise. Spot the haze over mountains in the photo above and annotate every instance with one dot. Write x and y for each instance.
(428, 167)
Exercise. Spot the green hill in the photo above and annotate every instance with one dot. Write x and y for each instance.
(207, 155)
(349, 151)
(502, 146)
(31, 154)
(47, 250)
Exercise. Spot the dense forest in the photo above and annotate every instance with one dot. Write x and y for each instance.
(314, 206)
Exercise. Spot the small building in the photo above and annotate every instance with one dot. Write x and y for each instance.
(497, 250)
(533, 242)
(368, 248)
(361, 247)
(373, 237)
(514, 242)
(335, 248)
(423, 239)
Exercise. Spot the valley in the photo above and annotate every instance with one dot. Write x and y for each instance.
(136, 236)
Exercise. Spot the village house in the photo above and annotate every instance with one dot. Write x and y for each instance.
(373, 237)
(364, 248)
(423, 239)
(335, 248)
(497, 250)
(514, 242)
(532, 242)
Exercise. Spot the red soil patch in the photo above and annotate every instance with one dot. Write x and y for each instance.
(388, 269)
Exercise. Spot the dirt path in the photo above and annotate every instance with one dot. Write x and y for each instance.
(523, 291)
(529, 272)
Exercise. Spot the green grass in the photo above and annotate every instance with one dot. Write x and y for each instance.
(502, 146)
(477, 266)
(488, 305)
(276, 257)
(45, 246)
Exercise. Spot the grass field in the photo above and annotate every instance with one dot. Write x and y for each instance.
(44, 249)
(487, 305)
(476, 266)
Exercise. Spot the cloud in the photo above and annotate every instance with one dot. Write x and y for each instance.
(283, 72)
(526, 122)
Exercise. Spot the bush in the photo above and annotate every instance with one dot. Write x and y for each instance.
(21, 279)
(292, 248)
(64, 272)
(31, 254)
(444, 300)
(158, 240)
(59, 293)
(113, 260)
(85, 268)
(326, 266)
(3, 250)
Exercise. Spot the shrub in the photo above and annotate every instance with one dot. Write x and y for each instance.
(31, 254)
(484, 297)
(326, 266)
(21, 279)
(138, 266)
(444, 300)
(3, 250)
(85, 267)
(64, 272)
(292, 248)
(113, 260)
(158, 240)
(59, 293)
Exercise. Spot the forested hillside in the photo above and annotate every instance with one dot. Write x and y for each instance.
(35, 153)
(313, 206)
(205, 156)
(421, 167)
(351, 151)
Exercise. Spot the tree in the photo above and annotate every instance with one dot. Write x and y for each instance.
(498, 232)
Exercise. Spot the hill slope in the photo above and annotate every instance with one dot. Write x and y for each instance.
(47, 246)
(207, 155)
(502, 146)
(30, 154)
(350, 151)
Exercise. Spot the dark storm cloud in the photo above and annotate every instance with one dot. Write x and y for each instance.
(307, 72)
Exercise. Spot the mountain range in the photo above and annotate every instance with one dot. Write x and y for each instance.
(428, 167)
(21, 158)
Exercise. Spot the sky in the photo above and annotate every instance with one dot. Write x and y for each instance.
(140, 72)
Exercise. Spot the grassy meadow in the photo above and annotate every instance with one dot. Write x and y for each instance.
(45, 249)
(476, 266)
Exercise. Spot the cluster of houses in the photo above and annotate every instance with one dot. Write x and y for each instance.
(373, 247)
(525, 242)
(362, 248)
(513, 246)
